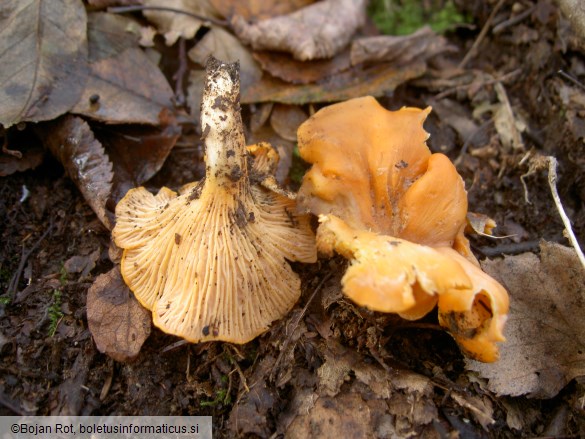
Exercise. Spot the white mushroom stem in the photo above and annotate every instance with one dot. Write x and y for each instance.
(222, 126)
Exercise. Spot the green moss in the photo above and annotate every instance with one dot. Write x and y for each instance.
(55, 313)
(406, 16)
(298, 167)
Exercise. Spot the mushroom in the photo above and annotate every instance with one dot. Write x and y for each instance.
(211, 262)
(398, 213)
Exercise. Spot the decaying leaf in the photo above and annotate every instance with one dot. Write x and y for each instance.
(373, 80)
(317, 31)
(286, 119)
(545, 345)
(249, 413)
(376, 403)
(138, 152)
(285, 67)
(118, 323)
(124, 86)
(43, 53)
(174, 25)
(257, 9)
(31, 157)
(71, 140)
(400, 50)
(507, 124)
(225, 47)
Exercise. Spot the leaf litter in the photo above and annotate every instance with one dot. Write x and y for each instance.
(342, 369)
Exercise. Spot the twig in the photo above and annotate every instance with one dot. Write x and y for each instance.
(512, 21)
(12, 286)
(571, 79)
(510, 248)
(552, 182)
(481, 35)
(504, 78)
(179, 75)
(9, 151)
(124, 9)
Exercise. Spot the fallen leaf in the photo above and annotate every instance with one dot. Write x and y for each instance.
(254, 10)
(225, 47)
(507, 124)
(43, 53)
(70, 395)
(316, 31)
(375, 80)
(400, 50)
(259, 115)
(82, 263)
(72, 141)
(174, 25)
(348, 415)
(118, 323)
(138, 152)
(286, 119)
(545, 333)
(249, 413)
(356, 398)
(32, 156)
(285, 67)
(124, 86)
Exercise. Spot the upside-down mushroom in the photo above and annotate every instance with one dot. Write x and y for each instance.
(398, 213)
(211, 263)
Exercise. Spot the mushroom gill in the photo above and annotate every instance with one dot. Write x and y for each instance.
(211, 262)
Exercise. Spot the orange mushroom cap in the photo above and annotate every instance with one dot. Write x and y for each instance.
(398, 213)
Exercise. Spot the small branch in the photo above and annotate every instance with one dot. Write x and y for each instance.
(13, 285)
(571, 79)
(481, 35)
(12, 152)
(552, 182)
(124, 9)
(512, 21)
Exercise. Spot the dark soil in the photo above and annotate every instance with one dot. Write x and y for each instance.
(49, 363)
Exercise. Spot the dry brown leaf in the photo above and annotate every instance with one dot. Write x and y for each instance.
(225, 47)
(374, 80)
(376, 403)
(43, 53)
(286, 119)
(507, 124)
(400, 50)
(71, 140)
(124, 86)
(254, 10)
(545, 333)
(118, 323)
(320, 30)
(138, 152)
(285, 67)
(174, 25)
(249, 413)
(32, 156)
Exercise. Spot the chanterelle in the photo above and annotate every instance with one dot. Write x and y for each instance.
(398, 212)
(212, 262)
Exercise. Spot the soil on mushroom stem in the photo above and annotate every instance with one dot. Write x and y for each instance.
(52, 364)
